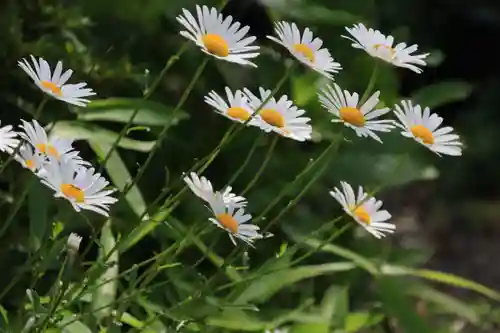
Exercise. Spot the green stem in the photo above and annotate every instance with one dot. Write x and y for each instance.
(246, 161)
(18, 205)
(263, 166)
(164, 131)
(147, 94)
(371, 84)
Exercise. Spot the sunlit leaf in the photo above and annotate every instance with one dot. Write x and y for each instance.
(104, 296)
(267, 285)
(120, 175)
(78, 130)
(121, 109)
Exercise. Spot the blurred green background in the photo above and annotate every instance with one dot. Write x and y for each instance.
(446, 209)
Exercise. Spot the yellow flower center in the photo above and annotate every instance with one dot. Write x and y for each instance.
(390, 50)
(362, 215)
(215, 44)
(352, 116)
(423, 133)
(73, 192)
(238, 113)
(30, 164)
(273, 117)
(50, 150)
(305, 50)
(52, 87)
(228, 222)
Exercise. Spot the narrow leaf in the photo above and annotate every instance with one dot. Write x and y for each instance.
(442, 93)
(121, 109)
(38, 201)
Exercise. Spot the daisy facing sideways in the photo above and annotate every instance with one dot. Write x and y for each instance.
(55, 147)
(233, 220)
(222, 38)
(423, 127)
(80, 185)
(305, 48)
(364, 210)
(203, 189)
(54, 83)
(8, 139)
(361, 118)
(280, 116)
(236, 108)
(29, 158)
(380, 46)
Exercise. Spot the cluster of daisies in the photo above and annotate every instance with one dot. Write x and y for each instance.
(59, 166)
(52, 159)
(225, 39)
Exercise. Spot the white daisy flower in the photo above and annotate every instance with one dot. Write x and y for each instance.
(361, 119)
(236, 108)
(30, 159)
(8, 139)
(280, 116)
(306, 48)
(219, 37)
(233, 220)
(423, 127)
(81, 186)
(203, 189)
(379, 46)
(54, 84)
(55, 147)
(364, 210)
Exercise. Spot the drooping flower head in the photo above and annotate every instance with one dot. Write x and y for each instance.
(8, 139)
(203, 189)
(305, 48)
(380, 46)
(80, 185)
(236, 108)
(54, 84)
(280, 116)
(29, 158)
(347, 109)
(218, 36)
(423, 127)
(365, 210)
(233, 220)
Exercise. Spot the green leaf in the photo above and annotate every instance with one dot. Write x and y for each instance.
(357, 321)
(267, 285)
(120, 175)
(121, 109)
(104, 296)
(357, 259)
(78, 130)
(38, 202)
(442, 93)
(335, 305)
(399, 306)
(446, 302)
(311, 328)
(441, 277)
(4, 319)
(74, 327)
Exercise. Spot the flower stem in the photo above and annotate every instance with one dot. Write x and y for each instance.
(371, 84)
(246, 161)
(263, 166)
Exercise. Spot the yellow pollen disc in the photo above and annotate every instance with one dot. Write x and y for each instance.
(52, 87)
(273, 117)
(29, 164)
(352, 116)
(42, 148)
(423, 133)
(238, 113)
(215, 44)
(362, 215)
(385, 47)
(228, 222)
(305, 50)
(73, 192)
